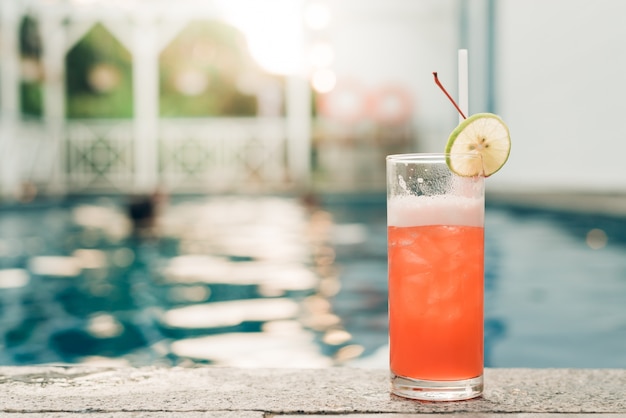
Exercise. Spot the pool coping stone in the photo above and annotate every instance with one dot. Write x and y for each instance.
(222, 392)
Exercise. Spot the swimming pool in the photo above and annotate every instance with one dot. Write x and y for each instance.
(555, 286)
(268, 282)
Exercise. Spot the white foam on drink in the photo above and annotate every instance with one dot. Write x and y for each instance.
(435, 210)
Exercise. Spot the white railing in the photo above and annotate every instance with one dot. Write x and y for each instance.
(202, 155)
(99, 156)
(194, 155)
(235, 154)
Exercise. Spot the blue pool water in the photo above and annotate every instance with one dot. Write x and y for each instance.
(555, 285)
(268, 282)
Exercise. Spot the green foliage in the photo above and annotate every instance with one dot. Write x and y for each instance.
(217, 55)
(99, 77)
(201, 74)
(30, 38)
(31, 99)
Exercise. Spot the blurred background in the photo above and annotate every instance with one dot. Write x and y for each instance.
(269, 96)
(167, 168)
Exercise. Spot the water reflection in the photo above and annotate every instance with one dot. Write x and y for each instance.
(225, 281)
(13, 278)
(296, 348)
(273, 282)
(218, 315)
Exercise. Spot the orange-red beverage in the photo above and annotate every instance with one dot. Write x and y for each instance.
(435, 235)
(436, 301)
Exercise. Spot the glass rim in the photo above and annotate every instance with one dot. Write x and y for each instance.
(428, 156)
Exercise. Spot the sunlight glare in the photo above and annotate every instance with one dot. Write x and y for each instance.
(324, 81)
(273, 30)
(317, 16)
(321, 55)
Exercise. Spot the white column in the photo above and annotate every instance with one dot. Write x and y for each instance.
(298, 109)
(9, 98)
(146, 103)
(54, 48)
(299, 129)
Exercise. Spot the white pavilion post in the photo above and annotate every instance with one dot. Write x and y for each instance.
(9, 98)
(53, 60)
(299, 129)
(145, 52)
(299, 120)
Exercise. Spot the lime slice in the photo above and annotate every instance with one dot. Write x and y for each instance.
(482, 133)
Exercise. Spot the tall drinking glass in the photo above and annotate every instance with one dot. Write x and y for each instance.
(435, 238)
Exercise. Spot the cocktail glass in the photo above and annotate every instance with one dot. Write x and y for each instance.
(435, 238)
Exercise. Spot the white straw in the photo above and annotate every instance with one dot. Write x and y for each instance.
(463, 83)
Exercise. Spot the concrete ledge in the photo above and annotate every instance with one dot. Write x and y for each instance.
(63, 391)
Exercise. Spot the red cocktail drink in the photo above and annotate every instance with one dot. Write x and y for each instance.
(436, 259)
(435, 301)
